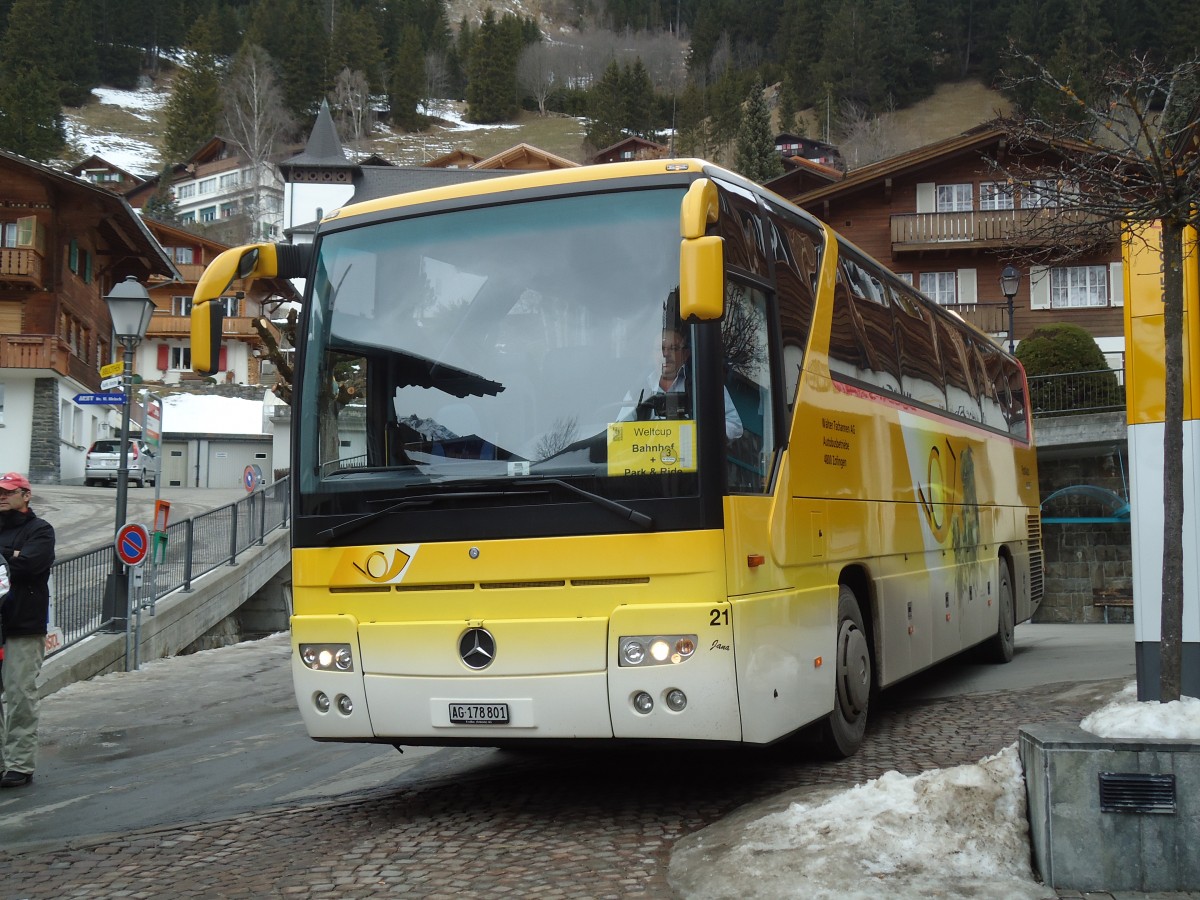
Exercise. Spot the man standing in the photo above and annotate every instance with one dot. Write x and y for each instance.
(27, 544)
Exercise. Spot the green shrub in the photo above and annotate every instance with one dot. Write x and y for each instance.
(1062, 349)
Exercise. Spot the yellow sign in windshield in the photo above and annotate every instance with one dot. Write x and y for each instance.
(650, 448)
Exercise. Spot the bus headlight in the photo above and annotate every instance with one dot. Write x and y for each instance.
(327, 657)
(655, 649)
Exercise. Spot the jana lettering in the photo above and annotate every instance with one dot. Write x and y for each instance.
(717, 645)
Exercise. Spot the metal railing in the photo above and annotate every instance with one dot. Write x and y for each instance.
(1077, 393)
(194, 547)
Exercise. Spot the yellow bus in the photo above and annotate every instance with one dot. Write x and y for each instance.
(632, 452)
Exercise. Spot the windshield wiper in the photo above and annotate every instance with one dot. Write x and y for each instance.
(625, 512)
(336, 531)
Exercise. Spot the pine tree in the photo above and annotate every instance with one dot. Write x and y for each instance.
(161, 205)
(757, 158)
(80, 67)
(194, 110)
(355, 45)
(408, 79)
(639, 100)
(606, 109)
(31, 120)
(492, 74)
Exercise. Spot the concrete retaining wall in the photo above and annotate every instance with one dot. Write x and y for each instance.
(180, 618)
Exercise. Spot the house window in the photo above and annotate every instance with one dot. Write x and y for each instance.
(939, 287)
(1078, 286)
(187, 218)
(208, 214)
(185, 191)
(995, 195)
(232, 306)
(181, 359)
(954, 197)
(181, 305)
(183, 255)
(1, 404)
(906, 277)
(1038, 193)
(232, 180)
(8, 234)
(207, 186)
(228, 210)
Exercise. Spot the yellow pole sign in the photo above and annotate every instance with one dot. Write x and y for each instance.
(112, 369)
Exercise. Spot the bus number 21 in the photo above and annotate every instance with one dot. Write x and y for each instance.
(718, 617)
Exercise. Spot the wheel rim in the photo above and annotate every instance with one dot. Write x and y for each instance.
(854, 671)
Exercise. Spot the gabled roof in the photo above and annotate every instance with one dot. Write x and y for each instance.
(633, 142)
(455, 159)
(525, 157)
(117, 223)
(801, 175)
(94, 162)
(989, 139)
(324, 147)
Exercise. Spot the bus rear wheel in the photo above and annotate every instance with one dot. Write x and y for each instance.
(999, 649)
(842, 732)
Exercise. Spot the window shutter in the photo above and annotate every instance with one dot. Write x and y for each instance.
(1116, 284)
(968, 290)
(87, 267)
(164, 357)
(926, 197)
(73, 256)
(223, 359)
(1039, 287)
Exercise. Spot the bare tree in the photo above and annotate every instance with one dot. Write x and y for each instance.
(1128, 160)
(256, 121)
(865, 137)
(351, 102)
(535, 71)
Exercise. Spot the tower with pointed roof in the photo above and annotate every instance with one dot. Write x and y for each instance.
(318, 180)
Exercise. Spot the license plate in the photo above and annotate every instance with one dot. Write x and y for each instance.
(478, 713)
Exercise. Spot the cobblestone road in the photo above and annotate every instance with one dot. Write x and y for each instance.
(547, 824)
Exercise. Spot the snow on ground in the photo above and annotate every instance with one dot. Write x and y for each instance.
(131, 154)
(1125, 717)
(957, 832)
(205, 414)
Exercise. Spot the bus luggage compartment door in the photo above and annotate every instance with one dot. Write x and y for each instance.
(659, 686)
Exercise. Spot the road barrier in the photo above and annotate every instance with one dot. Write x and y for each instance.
(194, 547)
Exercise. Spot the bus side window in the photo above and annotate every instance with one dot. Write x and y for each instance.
(920, 365)
(797, 261)
(746, 350)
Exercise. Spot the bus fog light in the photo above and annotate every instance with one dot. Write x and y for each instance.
(660, 649)
(346, 706)
(632, 653)
(321, 701)
(308, 655)
(676, 700)
(343, 660)
(685, 647)
(643, 702)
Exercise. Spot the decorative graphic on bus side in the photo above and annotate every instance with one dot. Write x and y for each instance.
(943, 478)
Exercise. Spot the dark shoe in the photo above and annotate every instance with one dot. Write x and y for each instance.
(15, 779)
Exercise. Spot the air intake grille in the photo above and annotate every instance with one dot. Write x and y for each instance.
(1037, 577)
(1134, 792)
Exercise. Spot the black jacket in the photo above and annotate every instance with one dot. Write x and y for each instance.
(27, 606)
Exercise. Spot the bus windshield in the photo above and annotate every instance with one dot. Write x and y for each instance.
(502, 342)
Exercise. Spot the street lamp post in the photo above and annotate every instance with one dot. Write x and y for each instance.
(130, 307)
(1010, 280)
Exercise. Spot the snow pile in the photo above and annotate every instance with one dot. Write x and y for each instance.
(944, 833)
(206, 414)
(130, 154)
(1125, 717)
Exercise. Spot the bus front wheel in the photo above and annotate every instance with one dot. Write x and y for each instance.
(843, 730)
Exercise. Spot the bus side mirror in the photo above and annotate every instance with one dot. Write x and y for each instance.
(702, 278)
(208, 312)
(701, 255)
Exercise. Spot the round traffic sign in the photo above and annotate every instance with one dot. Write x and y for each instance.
(133, 542)
(251, 478)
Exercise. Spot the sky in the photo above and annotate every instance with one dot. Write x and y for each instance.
(946, 833)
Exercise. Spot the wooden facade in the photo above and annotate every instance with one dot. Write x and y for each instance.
(890, 210)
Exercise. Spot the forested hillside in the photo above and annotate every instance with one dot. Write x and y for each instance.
(628, 66)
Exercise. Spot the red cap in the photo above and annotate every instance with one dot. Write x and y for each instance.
(14, 481)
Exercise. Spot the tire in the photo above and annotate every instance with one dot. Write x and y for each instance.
(842, 732)
(999, 648)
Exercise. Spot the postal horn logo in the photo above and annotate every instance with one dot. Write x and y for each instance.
(382, 565)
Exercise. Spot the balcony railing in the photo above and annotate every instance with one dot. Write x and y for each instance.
(21, 266)
(1077, 393)
(176, 326)
(988, 317)
(989, 228)
(46, 351)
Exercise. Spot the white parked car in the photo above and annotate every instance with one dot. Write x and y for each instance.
(103, 461)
